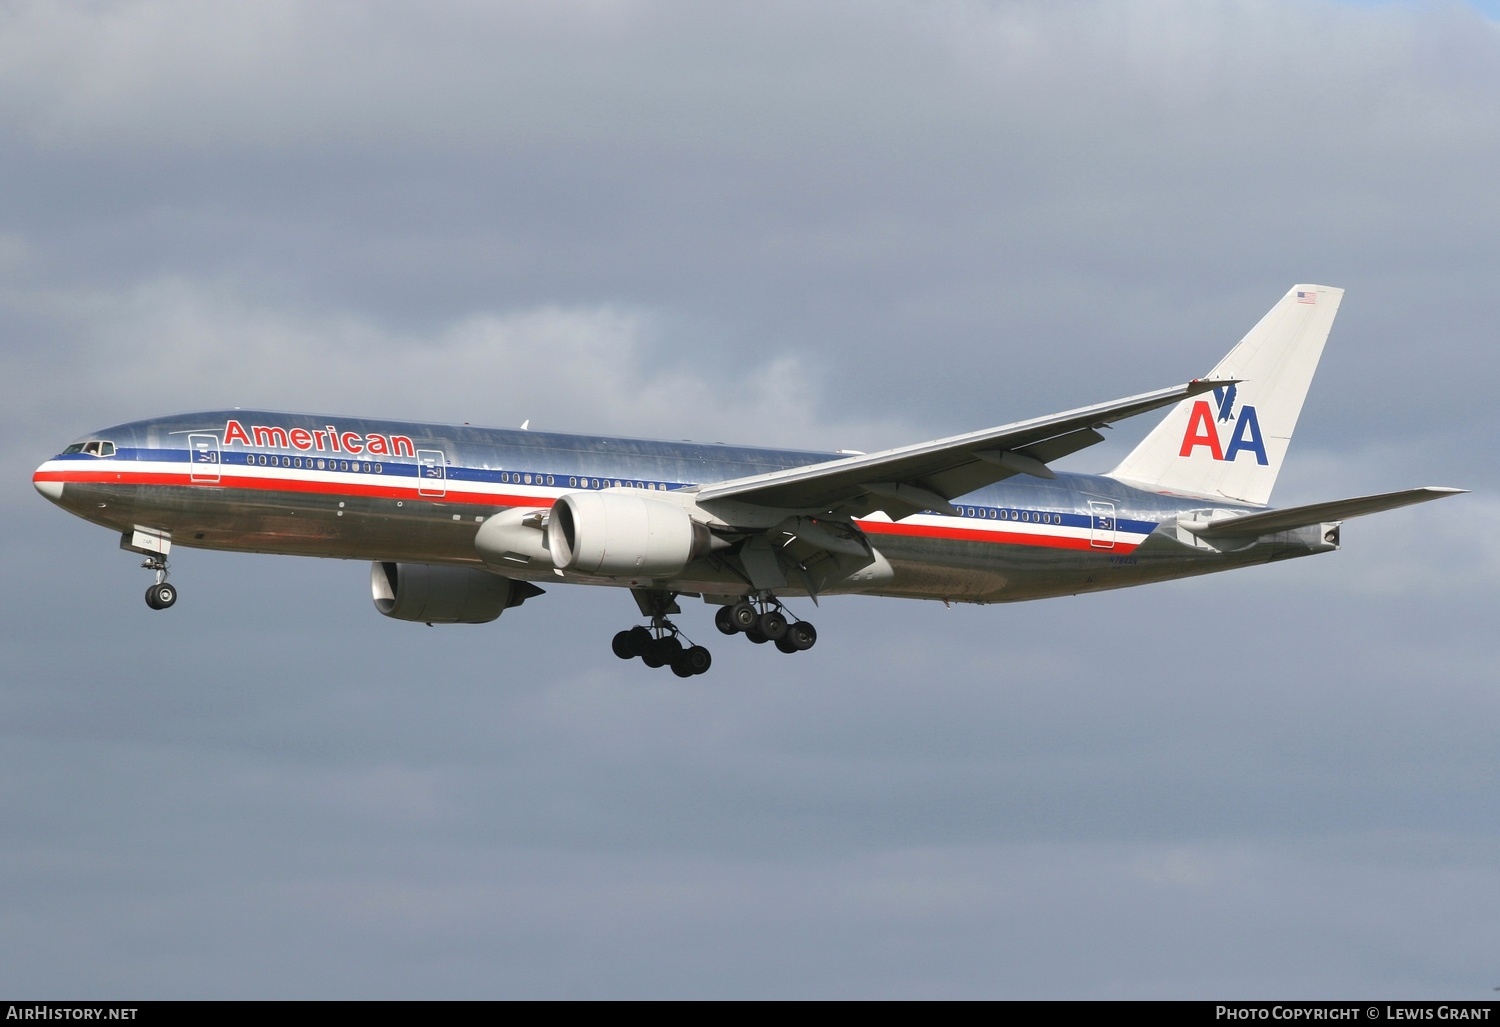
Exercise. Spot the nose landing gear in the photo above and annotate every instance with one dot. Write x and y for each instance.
(161, 595)
(154, 544)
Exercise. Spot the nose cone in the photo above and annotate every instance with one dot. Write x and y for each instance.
(45, 484)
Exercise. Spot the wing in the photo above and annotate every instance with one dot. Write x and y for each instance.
(1318, 513)
(926, 476)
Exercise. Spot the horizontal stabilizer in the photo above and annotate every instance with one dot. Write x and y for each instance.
(1318, 513)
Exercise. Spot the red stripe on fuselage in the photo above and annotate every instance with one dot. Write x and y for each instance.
(265, 484)
(991, 536)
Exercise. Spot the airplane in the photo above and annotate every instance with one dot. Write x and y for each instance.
(461, 523)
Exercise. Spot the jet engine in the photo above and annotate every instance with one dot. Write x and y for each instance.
(444, 595)
(622, 535)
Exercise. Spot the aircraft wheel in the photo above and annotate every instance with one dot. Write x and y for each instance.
(640, 640)
(724, 621)
(744, 616)
(755, 636)
(698, 659)
(160, 597)
(786, 645)
(802, 634)
(773, 625)
(623, 645)
(669, 648)
(681, 668)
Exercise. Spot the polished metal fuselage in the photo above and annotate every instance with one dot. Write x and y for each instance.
(355, 488)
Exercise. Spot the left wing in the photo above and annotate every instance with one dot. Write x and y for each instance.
(926, 476)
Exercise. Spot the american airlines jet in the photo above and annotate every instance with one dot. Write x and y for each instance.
(463, 523)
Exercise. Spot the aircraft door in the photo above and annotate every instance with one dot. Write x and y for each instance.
(432, 473)
(203, 459)
(1101, 524)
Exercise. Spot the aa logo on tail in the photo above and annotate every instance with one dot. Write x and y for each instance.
(1203, 431)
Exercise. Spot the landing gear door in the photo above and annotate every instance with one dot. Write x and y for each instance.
(432, 476)
(1101, 524)
(203, 459)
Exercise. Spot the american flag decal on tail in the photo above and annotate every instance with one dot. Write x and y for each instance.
(1306, 297)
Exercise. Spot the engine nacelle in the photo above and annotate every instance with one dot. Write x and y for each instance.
(623, 535)
(444, 595)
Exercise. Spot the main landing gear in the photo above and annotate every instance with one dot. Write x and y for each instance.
(160, 595)
(764, 620)
(661, 645)
(761, 619)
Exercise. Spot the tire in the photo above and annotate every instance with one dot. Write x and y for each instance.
(652, 658)
(681, 667)
(698, 659)
(161, 597)
(802, 634)
(623, 645)
(744, 616)
(640, 640)
(724, 621)
(151, 598)
(669, 648)
(773, 625)
(755, 636)
(786, 645)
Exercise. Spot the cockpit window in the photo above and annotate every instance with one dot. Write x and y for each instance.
(96, 447)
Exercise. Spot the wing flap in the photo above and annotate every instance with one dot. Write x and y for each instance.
(1319, 513)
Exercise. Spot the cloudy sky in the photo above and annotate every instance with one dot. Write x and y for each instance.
(818, 224)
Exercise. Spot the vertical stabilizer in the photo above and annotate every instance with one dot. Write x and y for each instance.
(1230, 444)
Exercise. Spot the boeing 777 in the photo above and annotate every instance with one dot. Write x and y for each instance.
(463, 523)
